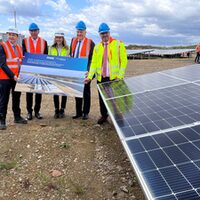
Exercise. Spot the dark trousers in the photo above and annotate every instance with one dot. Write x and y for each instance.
(5, 87)
(29, 102)
(83, 104)
(56, 102)
(103, 109)
(197, 57)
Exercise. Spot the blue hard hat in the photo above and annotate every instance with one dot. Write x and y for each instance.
(81, 25)
(33, 26)
(103, 28)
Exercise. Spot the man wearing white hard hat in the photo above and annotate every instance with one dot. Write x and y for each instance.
(37, 45)
(10, 61)
(59, 48)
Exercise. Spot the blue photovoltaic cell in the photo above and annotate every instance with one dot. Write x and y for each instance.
(152, 179)
(149, 143)
(188, 195)
(190, 150)
(160, 159)
(144, 162)
(175, 179)
(162, 140)
(135, 146)
(190, 134)
(192, 173)
(176, 137)
(176, 155)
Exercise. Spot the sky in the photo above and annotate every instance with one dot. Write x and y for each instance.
(146, 22)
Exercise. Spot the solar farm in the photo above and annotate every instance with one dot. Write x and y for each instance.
(144, 152)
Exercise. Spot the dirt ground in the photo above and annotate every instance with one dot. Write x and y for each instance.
(90, 158)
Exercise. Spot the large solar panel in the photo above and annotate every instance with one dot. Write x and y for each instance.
(158, 123)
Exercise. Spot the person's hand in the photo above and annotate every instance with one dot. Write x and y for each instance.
(86, 74)
(15, 78)
(87, 80)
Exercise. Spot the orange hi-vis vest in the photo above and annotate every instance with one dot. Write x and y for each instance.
(85, 50)
(198, 48)
(40, 47)
(13, 61)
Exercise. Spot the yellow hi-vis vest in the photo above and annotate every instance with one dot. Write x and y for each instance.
(54, 52)
(117, 59)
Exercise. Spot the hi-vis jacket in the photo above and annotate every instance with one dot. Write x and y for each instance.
(13, 61)
(117, 59)
(85, 50)
(54, 52)
(40, 47)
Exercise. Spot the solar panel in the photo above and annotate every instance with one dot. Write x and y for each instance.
(138, 51)
(159, 126)
(170, 51)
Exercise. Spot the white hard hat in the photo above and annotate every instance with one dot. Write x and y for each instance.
(59, 34)
(12, 30)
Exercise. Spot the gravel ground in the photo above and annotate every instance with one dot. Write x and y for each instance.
(70, 159)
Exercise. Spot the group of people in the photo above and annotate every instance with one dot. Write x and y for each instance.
(107, 61)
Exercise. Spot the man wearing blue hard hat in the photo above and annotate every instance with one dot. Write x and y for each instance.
(82, 47)
(37, 45)
(109, 62)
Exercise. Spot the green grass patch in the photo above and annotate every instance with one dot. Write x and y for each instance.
(7, 166)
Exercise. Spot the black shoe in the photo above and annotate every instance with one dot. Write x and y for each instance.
(38, 115)
(62, 113)
(56, 115)
(2, 124)
(76, 116)
(85, 117)
(20, 120)
(29, 116)
(102, 120)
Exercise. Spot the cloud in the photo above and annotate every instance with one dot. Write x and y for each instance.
(150, 21)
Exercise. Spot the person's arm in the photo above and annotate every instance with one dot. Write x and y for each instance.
(90, 55)
(23, 47)
(93, 65)
(70, 49)
(46, 48)
(3, 65)
(122, 60)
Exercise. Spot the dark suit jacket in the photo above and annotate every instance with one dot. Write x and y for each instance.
(3, 65)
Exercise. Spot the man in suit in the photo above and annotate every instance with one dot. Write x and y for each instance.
(10, 61)
(82, 47)
(37, 45)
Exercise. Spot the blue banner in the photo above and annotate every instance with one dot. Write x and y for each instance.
(47, 74)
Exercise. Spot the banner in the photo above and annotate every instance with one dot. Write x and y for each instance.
(47, 74)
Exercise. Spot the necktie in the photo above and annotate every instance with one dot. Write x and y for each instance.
(105, 60)
(77, 52)
(15, 50)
